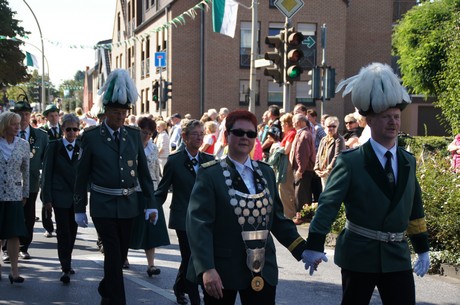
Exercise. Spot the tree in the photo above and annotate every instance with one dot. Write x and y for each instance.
(12, 69)
(424, 41)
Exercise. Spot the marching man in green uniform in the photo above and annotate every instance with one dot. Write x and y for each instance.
(382, 198)
(54, 131)
(233, 212)
(112, 160)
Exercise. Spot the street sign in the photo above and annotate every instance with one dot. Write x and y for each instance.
(260, 63)
(160, 59)
(289, 7)
(309, 42)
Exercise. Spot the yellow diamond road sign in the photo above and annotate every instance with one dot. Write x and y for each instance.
(289, 7)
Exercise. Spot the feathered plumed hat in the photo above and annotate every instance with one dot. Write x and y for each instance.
(375, 89)
(118, 91)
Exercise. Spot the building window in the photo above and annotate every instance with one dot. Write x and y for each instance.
(271, 4)
(273, 30)
(275, 94)
(244, 93)
(245, 44)
(303, 94)
(309, 45)
(147, 101)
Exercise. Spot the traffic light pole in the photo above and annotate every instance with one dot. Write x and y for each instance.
(323, 64)
(252, 76)
(286, 95)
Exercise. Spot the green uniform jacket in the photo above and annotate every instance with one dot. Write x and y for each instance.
(359, 181)
(50, 133)
(59, 172)
(179, 173)
(38, 141)
(215, 235)
(106, 165)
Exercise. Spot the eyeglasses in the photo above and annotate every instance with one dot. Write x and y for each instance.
(69, 129)
(350, 122)
(240, 133)
(332, 126)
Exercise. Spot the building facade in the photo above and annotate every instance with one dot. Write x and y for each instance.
(210, 70)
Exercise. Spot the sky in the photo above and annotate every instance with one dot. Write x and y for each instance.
(65, 23)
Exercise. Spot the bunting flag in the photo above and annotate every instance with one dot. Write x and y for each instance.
(224, 14)
(31, 60)
(179, 20)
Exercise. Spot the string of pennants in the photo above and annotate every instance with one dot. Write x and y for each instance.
(177, 21)
(47, 84)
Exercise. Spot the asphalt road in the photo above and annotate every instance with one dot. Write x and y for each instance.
(42, 272)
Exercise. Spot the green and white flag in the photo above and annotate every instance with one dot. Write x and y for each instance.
(224, 13)
(31, 60)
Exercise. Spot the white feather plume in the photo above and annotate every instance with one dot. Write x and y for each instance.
(119, 88)
(375, 88)
(97, 107)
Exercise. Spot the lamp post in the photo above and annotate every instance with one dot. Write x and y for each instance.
(43, 103)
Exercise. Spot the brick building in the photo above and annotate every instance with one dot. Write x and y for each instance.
(210, 70)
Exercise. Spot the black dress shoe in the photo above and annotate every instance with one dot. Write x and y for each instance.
(180, 297)
(152, 270)
(24, 255)
(65, 278)
(15, 279)
(71, 271)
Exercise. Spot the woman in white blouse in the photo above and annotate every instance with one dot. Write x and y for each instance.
(14, 189)
(162, 142)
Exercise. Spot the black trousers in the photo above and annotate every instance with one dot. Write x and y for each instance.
(66, 234)
(115, 234)
(29, 218)
(302, 190)
(247, 296)
(316, 187)
(395, 288)
(182, 285)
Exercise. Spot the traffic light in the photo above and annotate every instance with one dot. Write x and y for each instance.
(36, 93)
(155, 91)
(277, 56)
(294, 54)
(315, 83)
(329, 83)
(167, 91)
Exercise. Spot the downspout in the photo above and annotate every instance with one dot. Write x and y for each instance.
(202, 63)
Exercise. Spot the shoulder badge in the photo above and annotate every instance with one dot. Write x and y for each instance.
(41, 130)
(209, 163)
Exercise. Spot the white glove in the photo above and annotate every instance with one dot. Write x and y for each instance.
(81, 220)
(312, 259)
(422, 264)
(150, 211)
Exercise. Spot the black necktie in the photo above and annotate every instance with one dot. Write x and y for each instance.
(115, 137)
(194, 161)
(389, 171)
(69, 147)
(22, 134)
(55, 133)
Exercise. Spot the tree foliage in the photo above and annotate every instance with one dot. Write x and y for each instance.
(426, 42)
(12, 69)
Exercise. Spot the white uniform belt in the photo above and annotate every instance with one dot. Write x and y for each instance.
(374, 234)
(113, 192)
